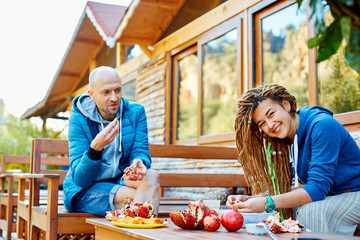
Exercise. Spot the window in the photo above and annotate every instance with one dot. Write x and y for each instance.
(133, 51)
(219, 77)
(206, 83)
(128, 90)
(129, 86)
(281, 34)
(187, 94)
(283, 50)
(338, 84)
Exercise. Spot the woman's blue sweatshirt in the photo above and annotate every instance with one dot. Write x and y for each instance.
(328, 157)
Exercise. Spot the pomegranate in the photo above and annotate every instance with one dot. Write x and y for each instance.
(214, 212)
(191, 218)
(144, 210)
(212, 222)
(232, 220)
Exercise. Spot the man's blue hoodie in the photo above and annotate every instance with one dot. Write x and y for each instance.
(84, 124)
(328, 157)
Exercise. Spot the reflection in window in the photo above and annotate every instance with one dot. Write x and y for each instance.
(187, 80)
(133, 52)
(285, 51)
(128, 90)
(219, 77)
(338, 84)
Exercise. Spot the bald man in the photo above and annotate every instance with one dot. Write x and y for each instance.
(107, 133)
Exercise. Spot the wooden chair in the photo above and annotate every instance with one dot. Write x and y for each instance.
(8, 194)
(51, 219)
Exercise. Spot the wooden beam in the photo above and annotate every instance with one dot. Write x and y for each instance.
(136, 40)
(88, 41)
(131, 65)
(92, 65)
(207, 21)
(162, 4)
(146, 50)
(69, 74)
(118, 51)
(165, 23)
(80, 90)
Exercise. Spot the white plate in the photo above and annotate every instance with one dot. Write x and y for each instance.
(255, 230)
(256, 217)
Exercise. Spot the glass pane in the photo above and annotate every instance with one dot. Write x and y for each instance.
(285, 52)
(187, 80)
(128, 90)
(133, 52)
(338, 84)
(219, 91)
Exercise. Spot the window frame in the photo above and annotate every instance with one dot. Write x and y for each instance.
(235, 22)
(255, 15)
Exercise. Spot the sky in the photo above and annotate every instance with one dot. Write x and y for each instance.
(34, 37)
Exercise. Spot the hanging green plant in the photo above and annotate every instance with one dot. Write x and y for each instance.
(346, 26)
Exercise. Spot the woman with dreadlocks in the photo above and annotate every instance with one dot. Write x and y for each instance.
(278, 144)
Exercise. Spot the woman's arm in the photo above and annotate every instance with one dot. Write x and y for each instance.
(257, 203)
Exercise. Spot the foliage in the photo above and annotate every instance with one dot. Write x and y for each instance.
(345, 27)
(16, 136)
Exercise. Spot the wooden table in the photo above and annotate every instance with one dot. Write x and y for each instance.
(105, 230)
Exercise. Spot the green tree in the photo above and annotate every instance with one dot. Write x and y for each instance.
(345, 27)
(16, 135)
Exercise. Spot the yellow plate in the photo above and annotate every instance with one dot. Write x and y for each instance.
(128, 225)
(110, 219)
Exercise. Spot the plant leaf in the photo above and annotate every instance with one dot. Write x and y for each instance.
(348, 2)
(352, 51)
(345, 23)
(299, 2)
(317, 15)
(330, 41)
(314, 42)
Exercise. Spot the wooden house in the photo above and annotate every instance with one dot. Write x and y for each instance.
(198, 58)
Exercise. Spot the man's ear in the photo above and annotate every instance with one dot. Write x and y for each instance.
(91, 94)
(286, 105)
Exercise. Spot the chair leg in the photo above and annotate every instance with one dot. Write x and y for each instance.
(21, 229)
(34, 233)
(9, 216)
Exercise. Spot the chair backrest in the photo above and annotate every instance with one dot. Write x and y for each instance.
(13, 159)
(49, 152)
(196, 179)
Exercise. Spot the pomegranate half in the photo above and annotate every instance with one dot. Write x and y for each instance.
(192, 217)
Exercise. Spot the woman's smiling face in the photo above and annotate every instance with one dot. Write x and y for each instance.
(274, 119)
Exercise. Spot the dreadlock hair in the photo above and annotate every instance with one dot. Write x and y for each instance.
(252, 143)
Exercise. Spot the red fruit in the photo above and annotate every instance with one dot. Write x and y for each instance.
(129, 213)
(212, 222)
(191, 218)
(232, 220)
(143, 212)
(214, 212)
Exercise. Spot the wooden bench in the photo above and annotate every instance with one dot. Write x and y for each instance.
(34, 218)
(8, 194)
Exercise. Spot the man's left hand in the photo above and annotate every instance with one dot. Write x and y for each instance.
(140, 170)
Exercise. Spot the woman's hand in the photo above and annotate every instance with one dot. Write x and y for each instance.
(246, 204)
(233, 199)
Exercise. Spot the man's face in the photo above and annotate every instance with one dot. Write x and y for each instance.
(106, 92)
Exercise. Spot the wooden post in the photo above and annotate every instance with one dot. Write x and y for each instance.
(44, 131)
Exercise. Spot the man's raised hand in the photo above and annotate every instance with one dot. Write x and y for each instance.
(106, 136)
